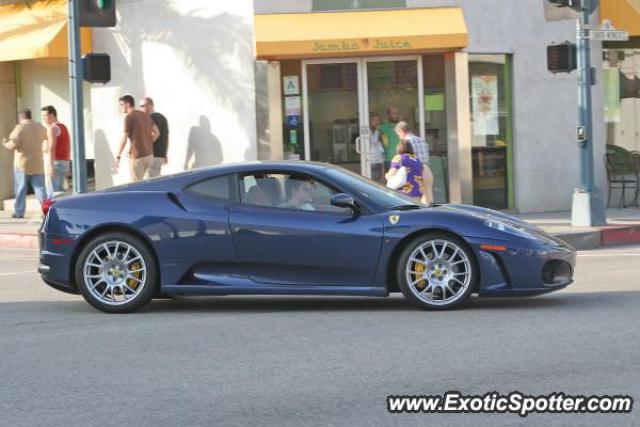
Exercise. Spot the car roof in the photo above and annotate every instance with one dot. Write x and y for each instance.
(181, 179)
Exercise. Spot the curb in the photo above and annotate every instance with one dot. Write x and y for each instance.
(614, 236)
(604, 238)
(18, 241)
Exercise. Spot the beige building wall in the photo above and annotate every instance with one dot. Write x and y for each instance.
(195, 59)
(8, 117)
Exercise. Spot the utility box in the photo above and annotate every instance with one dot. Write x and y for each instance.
(97, 67)
(561, 58)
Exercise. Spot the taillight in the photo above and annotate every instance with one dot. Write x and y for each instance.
(46, 205)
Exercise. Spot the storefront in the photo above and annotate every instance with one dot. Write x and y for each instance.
(337, 70)
(277, 80)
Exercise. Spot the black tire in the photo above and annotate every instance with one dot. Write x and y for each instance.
(149, 284)
(409, 292)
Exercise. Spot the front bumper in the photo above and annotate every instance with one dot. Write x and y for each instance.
(524, 271)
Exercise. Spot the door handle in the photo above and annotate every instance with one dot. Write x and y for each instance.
(359, 145)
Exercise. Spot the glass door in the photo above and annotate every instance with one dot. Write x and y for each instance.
(391, 95)
(351, 107)
(332, 119)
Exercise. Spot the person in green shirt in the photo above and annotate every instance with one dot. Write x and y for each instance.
(390, 139)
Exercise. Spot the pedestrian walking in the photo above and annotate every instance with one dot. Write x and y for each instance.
(58, 150)
(421, 150)
(141, 133)
(26, 141)
(376, 150)
(161, 146)
(405, 174)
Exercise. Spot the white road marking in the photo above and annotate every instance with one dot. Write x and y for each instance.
(607, 254)
(17, 273)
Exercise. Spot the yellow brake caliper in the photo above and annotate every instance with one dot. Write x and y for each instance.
(133, 284)
(419, 269)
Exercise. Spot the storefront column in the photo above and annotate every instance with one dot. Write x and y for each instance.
(459, 125)
(275, 111)
(269, 110)
(8, 107)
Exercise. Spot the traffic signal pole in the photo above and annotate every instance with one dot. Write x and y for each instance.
(77, 105)
(588, 204)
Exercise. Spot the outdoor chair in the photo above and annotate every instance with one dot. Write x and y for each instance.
(623, 173)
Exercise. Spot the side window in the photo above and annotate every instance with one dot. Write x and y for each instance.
(214, 188)
(288, 191)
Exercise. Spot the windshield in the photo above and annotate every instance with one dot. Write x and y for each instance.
(370, 190)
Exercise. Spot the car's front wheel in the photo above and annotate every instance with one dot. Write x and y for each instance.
(437, 271)
(116, 273)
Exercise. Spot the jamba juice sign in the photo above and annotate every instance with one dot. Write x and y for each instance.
(364, 44)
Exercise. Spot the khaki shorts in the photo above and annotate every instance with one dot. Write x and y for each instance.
(156, 167)
(138, 168)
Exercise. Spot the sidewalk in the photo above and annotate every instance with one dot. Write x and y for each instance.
(19, 233)
(623, 228)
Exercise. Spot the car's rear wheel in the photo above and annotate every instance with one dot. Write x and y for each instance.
(437, 271)
(116, 273)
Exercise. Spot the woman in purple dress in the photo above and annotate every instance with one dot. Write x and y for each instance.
(406, 158)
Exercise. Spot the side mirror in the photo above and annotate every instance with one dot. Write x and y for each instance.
(343, 200)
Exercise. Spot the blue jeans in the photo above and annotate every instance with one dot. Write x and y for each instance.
(58, 176)
(20, 181)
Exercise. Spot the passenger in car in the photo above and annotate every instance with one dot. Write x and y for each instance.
(300, 194)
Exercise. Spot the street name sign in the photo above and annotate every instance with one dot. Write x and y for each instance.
(610, 36)
(608, 33)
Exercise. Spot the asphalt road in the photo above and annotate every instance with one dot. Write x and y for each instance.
(267, 361)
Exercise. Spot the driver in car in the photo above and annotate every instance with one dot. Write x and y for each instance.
(300, 195)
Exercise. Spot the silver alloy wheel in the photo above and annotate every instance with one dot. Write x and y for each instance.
(438, 272)
(115, 272)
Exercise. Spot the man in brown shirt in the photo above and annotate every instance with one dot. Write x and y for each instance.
(27, 143)
(140, 130)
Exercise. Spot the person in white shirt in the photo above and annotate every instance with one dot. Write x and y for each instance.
(376, 149)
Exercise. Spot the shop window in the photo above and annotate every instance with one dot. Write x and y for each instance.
(492, 130)
(323, 5)
(621, 81)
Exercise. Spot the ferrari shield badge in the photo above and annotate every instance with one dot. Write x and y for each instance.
(393, 219)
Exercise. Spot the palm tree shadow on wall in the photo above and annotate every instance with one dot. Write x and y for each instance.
(217, 51)
(105, 170)
(203, 147)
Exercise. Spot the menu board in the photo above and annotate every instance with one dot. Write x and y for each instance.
(484, 96)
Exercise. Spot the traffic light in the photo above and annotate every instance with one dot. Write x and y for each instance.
(559, 10)
(573, 4)
(561, 58)
(97, 67)
(97, 13)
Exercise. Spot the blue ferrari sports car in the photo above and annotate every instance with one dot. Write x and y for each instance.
(294, 228)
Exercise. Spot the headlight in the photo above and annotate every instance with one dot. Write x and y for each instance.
(508, 228)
